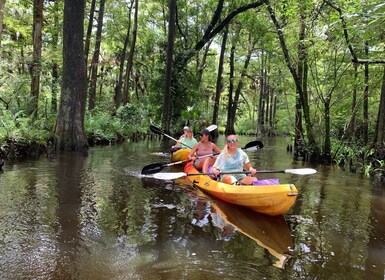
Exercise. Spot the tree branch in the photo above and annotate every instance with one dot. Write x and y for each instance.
(353, 54)
(211, 31)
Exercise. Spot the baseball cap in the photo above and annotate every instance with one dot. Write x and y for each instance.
(205, 131)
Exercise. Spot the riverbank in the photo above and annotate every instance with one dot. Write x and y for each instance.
(17, 149)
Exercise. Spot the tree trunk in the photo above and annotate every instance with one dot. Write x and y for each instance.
(297, 81)
(261, 107)
(2, 5)
(379, 137)
(298, 141)
(55, 87)
(267, 102)
(327, 144)
(354, 104)
(166, 117)
(55, 68)
(366, 99)
(70, 119)
(234, 105)
(119, 83)
(271, 111)
(274, 114)
(303, 80)
(130, 58)
(201, 66)
(89, 30)
(231, 90)
(95, 58)
(219, 86)
(35, 69)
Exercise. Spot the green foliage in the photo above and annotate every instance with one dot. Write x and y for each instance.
(103, 126)
(38, 130)
(133, 118)
(344, 152)
(15, 126)
(128, 119)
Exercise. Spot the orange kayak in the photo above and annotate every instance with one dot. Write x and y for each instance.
(272, 200)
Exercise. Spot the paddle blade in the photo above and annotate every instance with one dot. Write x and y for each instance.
(212, 127)
(301, 171)
(253, 146)
(152, 168)
(155, 129)
(169, 176)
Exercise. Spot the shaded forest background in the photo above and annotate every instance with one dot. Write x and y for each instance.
(75, 73)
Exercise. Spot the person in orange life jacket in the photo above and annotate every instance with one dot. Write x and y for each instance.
(202, 148)
(233, 159)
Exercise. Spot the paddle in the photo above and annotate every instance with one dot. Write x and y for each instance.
(157, 167)
(157, 130)
(176, 175)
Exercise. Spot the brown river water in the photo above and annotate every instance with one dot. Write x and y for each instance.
(96, 217)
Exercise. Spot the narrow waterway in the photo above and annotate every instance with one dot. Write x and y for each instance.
(96, 217)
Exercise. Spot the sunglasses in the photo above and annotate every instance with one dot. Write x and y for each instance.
(232, 140)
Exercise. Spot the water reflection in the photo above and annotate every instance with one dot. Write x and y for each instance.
(69, 189)
(94, 218)
(271, 233)
(375, 262)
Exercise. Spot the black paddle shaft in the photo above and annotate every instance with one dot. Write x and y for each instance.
(157, 130)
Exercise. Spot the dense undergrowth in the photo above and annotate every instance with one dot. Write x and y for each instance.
(22, 136)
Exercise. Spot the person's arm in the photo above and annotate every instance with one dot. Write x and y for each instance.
(216, 169)
(192, 152)
(216, 149)
(247, 165)
(179, 142)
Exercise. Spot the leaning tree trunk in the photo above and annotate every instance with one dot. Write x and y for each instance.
(35, 69)
(70, 119)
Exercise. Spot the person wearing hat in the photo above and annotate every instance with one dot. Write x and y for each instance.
(203, 148)
(187, 140)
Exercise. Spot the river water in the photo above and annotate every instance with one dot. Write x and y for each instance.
(95, 217)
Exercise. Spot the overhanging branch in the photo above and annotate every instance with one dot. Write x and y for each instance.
(353, 54)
